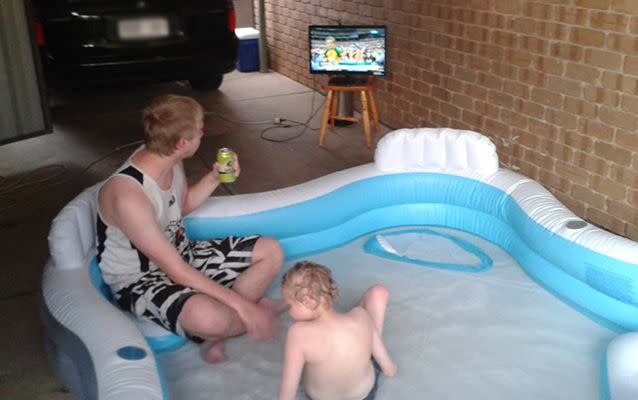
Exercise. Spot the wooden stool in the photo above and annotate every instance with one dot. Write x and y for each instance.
(331, 106)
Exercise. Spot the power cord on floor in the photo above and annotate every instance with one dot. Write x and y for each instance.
(288, 123)
(220, 116)
(24, 183)
(27, 181)
(278, 123)
(9, 190)
(107, 155)
(243, 122)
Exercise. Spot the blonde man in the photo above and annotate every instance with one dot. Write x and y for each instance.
(339, 354)
(204, 290)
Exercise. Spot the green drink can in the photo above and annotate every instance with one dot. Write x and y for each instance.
(226, 161)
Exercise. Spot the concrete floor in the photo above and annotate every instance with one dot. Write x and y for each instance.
(94, 131)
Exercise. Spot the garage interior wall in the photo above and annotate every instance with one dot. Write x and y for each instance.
(22, 112)
(245, 14)
(554, 83)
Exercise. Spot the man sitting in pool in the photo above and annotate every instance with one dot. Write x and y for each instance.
(340, 355)
(205, 290)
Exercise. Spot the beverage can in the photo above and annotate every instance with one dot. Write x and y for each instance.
(226, 161)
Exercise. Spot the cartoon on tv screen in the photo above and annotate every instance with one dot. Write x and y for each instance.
(347, 49)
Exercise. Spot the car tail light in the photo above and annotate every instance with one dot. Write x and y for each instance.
(39, 33)
(232, 18)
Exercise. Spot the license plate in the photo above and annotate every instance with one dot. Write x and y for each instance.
(142, 28)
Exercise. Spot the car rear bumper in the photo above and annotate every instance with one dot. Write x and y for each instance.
(160, 68)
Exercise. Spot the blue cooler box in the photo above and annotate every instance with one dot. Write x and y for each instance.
(248, 59)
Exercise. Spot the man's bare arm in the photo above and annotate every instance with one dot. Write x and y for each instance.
(293, 364)
(196, 194)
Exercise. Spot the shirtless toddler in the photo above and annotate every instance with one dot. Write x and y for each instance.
(339, 355)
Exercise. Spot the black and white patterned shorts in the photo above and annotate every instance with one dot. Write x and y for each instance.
(154, 296)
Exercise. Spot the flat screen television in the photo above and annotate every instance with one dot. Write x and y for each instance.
(347, 50)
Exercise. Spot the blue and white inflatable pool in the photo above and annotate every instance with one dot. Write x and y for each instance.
(422, 177)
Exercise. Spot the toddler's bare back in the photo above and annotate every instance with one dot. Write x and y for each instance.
(339, 363)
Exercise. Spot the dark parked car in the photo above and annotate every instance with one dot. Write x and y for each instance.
(99, 41)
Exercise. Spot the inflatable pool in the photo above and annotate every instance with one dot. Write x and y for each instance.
(422, 177)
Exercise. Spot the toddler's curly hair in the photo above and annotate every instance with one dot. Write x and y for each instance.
(307, 278)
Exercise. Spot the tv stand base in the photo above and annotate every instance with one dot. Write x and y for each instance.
(347, 80)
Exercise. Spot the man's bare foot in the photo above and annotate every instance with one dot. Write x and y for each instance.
(276, 306)
(212, 352)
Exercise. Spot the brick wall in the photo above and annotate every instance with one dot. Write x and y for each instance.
(554, 83)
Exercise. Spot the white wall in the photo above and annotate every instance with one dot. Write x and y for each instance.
(245, 14)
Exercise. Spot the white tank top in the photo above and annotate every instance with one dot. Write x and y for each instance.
(120, 261)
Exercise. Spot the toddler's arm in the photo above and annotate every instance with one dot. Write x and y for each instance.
(293, 364)
(380, 353)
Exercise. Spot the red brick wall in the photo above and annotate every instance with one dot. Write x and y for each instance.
(554, 83)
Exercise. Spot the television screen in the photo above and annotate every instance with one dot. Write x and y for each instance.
(341, 49)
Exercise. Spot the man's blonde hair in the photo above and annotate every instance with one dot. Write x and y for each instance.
(169, 118)
(310, 279)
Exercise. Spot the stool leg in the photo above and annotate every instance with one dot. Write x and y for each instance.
(334, 109)
(326, 115)
(366, 118)
(373, 109)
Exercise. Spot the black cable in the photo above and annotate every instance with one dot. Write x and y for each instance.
(266, 121)
(262, 122)
(292, 123)
(104, 157)
(24, 182)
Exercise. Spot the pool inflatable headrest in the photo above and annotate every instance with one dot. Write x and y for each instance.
(436, 149)
(72, 234)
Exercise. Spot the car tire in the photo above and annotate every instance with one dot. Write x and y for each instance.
(208, 82)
